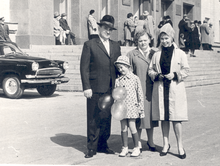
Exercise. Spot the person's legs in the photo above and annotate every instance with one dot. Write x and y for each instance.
(124, 136)
(177, 127)
(139, 130)
(72, 36)
(150, 140)
(165, 125)
(136, 151)
(93, 129)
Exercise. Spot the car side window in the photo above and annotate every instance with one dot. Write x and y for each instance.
(7, 50)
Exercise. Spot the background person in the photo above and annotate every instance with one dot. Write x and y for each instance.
(184, 34)
(98, 75)
(4, 30)
(129, 27)
(93, 26)
(150, 20)
(168, 68)
(134, 102)
(204, 30)
(141, 25)
(193, 39)
(140, 59)
(69, 33)
(59, 33)
(211, 36)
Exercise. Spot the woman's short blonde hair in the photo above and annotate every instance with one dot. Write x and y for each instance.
(141, 33)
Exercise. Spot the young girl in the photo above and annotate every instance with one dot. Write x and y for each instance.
(134, 102)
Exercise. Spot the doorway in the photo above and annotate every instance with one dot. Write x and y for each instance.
(188, 9)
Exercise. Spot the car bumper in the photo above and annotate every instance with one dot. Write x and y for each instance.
(45, 81)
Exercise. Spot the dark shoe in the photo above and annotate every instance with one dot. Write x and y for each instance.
(192, 55)
(165, 153)
(90, 154)
(107, 151)
(153, 149)
(183, 156)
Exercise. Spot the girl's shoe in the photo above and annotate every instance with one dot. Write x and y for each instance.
(136, 152)
(124, 152)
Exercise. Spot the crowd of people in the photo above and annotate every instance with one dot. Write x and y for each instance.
(153, 79)
(4, 30)
(192, 34)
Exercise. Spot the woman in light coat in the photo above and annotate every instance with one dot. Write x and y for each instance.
(140, 59)
(168, 69)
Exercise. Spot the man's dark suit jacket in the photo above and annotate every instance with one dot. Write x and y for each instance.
(4, 32)
(184, 29)
(64, 24)
(97, 67)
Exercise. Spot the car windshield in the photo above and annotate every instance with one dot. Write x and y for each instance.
(8, 48)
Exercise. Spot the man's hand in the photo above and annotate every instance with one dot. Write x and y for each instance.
(88, 93)
(169, 76)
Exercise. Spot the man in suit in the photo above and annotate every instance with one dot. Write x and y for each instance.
(204, 30)
(4, 30)
(184, 31)
(65, 26)
(98, 75)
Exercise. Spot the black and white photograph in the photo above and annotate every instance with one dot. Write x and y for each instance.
(110, 82)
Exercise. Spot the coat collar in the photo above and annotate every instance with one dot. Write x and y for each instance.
(140, 55)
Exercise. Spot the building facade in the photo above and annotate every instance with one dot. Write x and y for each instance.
(35, 17)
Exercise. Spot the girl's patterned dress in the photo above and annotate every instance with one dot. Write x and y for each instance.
(135, 98)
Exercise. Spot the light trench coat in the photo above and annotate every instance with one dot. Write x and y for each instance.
(177, 92)
(140, 65)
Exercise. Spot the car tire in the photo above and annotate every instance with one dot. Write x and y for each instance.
(46, 90)
(12, 87)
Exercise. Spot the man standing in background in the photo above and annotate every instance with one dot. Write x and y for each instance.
(69, 33)
(204, 30)
(4, 30)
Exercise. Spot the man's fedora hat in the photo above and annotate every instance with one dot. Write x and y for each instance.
(1, 18)
(108, 21)
(63, 14)
(56, 14)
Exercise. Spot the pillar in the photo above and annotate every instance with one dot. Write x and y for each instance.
(35, 22)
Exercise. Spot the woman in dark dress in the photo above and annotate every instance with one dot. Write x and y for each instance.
(193, 38)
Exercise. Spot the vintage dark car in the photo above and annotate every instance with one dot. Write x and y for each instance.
(19, 71)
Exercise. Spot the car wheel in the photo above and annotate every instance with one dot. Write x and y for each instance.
(12, 87)
(46, 90)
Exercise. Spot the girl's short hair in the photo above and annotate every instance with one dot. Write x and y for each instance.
(141, 33)
(92, 11)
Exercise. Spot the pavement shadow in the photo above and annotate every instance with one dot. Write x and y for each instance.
(79, 143)
(68, 140)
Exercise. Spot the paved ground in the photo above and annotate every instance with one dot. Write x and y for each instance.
(52, 131)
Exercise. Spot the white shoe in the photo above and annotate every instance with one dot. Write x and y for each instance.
(136, 152)
(124, 152)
